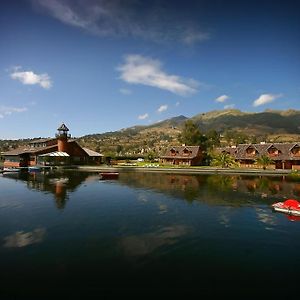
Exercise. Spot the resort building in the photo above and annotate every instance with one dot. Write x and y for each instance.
(52, 151)
(283, 155)
(183, 155)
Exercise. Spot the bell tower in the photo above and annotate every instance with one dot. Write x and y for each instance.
(62, 138)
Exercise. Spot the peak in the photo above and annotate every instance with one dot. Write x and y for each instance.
(217, 113)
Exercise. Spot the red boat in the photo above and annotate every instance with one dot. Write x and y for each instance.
(109, 175)
(290, 207)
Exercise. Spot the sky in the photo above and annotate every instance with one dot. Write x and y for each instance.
(104, 65)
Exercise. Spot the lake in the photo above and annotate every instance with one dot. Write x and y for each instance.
(70, 231)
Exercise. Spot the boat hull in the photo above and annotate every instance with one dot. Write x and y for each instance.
(287, 211)
(108, 175)
(290, 207)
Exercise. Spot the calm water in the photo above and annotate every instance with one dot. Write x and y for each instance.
(70, 231)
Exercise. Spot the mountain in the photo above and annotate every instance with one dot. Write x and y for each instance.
(267, 122)
(271, 125)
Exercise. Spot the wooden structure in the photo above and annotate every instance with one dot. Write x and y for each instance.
(59, 150)
(283, 155)
(183, 155)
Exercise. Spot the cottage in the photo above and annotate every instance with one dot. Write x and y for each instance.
(283, 155)
(183, 155)
(59, 150)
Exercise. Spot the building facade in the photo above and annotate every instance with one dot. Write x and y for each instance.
(283, 155)
(59, 150)
(182, 155)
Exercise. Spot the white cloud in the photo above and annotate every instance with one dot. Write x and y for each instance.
(125, 91)
(177, 103)
(192, 37)
(162, 108)
(125, 19)
(138, 69)
(31, 78)
(222, 98)
(143, 117)
(266, 98)
(229, 106)
(6, 110)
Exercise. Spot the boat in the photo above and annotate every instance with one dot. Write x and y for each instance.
(290, 207)
(109, 175)
(11, 170)
(34, 169)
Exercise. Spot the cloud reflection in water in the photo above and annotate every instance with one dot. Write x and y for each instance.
(23, 239)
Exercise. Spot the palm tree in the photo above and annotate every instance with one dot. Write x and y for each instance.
(264, 161)
(224, 160)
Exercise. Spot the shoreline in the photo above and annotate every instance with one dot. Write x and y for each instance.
(202, 170)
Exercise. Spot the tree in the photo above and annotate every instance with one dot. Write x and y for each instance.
(235, 137)
(191, 135)
(213, 138)
(150, 156)
(223, 160)
(119, 149)
(264, 161)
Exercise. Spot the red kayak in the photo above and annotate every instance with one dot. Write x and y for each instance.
(290, 206)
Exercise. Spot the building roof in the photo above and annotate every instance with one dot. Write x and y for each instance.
(28, 150)
(180, 152)
(90, 152)
(42, 140)
(63, 127)
(262, 149)
(55, 153)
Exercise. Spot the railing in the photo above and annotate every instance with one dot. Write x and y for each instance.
(59, 135)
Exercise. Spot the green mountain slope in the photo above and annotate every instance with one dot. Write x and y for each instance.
(268, 122)
(270, 125)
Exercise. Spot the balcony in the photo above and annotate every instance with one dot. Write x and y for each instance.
(62, 135)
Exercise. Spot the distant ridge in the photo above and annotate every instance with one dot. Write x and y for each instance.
(272, 125)
(267, 122)
(262, 123)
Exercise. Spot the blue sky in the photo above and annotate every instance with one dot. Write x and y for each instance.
(103, 65)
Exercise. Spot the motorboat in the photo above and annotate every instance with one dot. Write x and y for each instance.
(290, 207)
(109, 175)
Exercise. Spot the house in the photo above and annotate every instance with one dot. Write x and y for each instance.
(182, 155)
(283, 155)
(59, 150)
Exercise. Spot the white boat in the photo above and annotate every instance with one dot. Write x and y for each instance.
(11, 170)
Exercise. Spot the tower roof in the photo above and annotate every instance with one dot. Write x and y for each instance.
(63, 127)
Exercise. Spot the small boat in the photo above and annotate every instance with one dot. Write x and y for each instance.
(11, 170)
(290, 207)
(109, 175)
(34, 169)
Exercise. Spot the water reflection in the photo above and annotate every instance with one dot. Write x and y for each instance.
(216, 189)
(145, 228)
(226, 190)
(137, 245)
(23, 239)
(60, 184)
